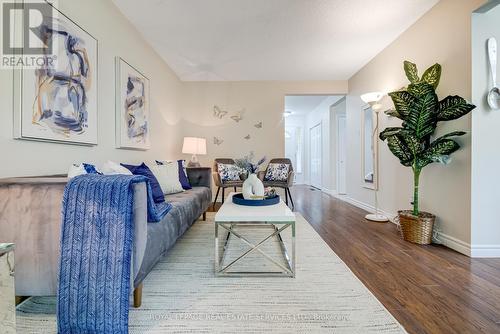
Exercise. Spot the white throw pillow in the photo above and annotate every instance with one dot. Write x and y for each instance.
(167, 176)
(83, 168)
(113, 168)
(75, 170)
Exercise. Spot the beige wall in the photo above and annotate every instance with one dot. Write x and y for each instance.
(116, 37)
(178, 109)
(261, 100)
(442, 35)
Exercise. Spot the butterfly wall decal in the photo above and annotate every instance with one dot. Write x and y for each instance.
(218, 141)
(247, 137)
(258, 125)
(238, 116)
(219, 113)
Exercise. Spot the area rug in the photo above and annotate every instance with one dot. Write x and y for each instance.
(182, 294)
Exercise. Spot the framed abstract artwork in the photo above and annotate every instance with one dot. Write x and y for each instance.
(58, 101)
(132, 107)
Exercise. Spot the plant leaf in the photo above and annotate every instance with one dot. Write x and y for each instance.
(422, 119)
(453, 107)
(402, 101)
(391, 131)
(411, 141)
(393, 113)
(411, 71)
(420, 89)
(400, 149)
(438, 151)
(261, 161)
(432, 75)
(451, 134)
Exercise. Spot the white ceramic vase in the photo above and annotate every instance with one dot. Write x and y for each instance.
(252, 187)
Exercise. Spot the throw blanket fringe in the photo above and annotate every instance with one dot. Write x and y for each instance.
(96, 246)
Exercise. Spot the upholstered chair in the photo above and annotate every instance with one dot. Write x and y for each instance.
(280, 184)
(219, 183)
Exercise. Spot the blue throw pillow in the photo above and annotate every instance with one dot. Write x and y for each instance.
(90, 169)
(183, 179)
(144, 170)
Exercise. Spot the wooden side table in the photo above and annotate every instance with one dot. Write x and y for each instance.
(7, 294)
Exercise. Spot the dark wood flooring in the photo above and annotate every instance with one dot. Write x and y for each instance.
(428, 289)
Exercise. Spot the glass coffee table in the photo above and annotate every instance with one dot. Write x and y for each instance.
(235, 219)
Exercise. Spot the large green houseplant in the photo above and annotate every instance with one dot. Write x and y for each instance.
(414, 144)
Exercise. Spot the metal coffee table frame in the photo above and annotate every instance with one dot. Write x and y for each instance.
(277, 228)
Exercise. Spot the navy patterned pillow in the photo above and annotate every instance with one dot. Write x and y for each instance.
(144, 170)
(228, 172)
(277, 172)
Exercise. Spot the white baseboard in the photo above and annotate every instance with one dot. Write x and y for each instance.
(364, 206)
(475, 251)
(455, 244)
(485, 251)
(329, 191)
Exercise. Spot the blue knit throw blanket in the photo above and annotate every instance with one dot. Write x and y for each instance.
(96, 246)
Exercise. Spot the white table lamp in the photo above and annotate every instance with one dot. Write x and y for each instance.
(194, 146)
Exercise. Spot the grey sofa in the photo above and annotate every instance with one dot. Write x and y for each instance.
(31, 218)
(153, 240)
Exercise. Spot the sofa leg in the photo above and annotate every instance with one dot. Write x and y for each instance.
(204, 216)
(235, 190)
(223, 194)
(215, 200)
(286, 197)
(138, 296)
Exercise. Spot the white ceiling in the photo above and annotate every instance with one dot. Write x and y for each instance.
(270, 39)
(303, 104)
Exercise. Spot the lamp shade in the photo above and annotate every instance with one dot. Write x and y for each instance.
(372, 98)
(194, 145)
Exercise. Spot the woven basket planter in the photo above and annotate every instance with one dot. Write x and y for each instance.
(416, 229)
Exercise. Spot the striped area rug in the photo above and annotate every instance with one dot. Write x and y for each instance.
(182, 295)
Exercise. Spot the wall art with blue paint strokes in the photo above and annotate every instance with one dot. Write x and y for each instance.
(132, 107)
(58, 102)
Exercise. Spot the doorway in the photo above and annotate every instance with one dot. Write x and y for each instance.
(315, 141)
(310, 139)
(294, 150)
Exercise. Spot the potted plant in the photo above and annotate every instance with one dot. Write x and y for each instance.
(414, 143)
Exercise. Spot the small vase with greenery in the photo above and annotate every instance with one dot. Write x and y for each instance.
(414, 144)
(252, 188)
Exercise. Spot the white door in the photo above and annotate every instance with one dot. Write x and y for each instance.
(315, 159)
(341, 149)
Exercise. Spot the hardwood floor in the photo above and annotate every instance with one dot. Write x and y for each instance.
(428, 289)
